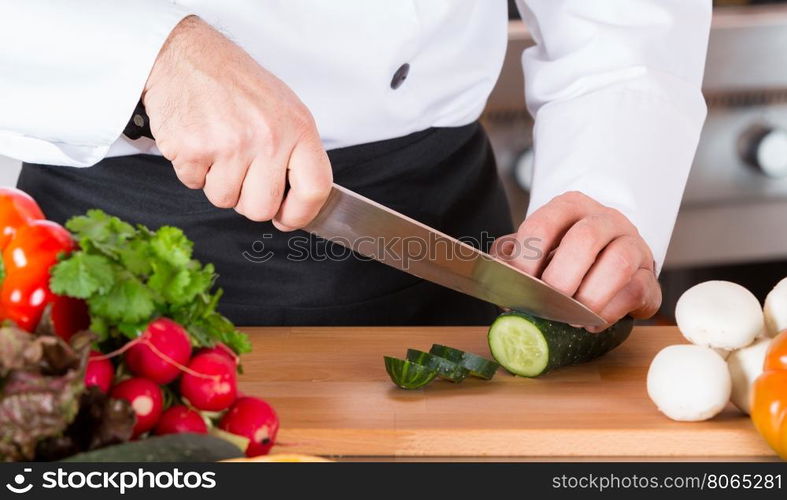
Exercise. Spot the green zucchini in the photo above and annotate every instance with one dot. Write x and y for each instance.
(407, 374)
(445, 369)
(478, 366)
(169, 448)
(529, 346)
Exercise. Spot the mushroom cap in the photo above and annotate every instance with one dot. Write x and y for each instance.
(689, 382)
(776, 309)
(719, 314)
(745, 366)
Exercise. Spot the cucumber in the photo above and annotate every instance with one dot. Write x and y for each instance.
(530, 346)
(408, 375)
(169, 448)
(445, 369)
(478, 366)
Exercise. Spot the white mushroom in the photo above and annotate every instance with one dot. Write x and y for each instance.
(719, 314)
(689, 382)
(776, 309)
(745, 366)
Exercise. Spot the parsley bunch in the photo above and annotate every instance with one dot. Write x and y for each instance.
(130, 275)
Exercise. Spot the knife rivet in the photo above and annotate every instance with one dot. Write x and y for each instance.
(138, 120)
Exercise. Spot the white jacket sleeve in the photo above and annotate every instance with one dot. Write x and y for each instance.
(614, 87)
(72, 72)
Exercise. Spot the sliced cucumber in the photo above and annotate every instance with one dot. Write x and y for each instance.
(530, 346)
(445, 369)
(407, 374)
(478, 366)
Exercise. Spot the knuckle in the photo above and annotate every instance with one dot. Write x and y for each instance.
(624, 259)
(587, 232)
(572, 197)
(266, 137)
(190, 178)
(222, 199)
(258, 212)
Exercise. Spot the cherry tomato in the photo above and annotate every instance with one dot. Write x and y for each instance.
(17, 209)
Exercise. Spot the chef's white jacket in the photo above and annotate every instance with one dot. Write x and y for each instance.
(614, 85)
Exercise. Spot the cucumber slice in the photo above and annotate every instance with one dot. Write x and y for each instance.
(445, 369)
(408, 375)
(530, 346)
(478, 366)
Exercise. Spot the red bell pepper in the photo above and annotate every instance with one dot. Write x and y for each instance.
(30, 247)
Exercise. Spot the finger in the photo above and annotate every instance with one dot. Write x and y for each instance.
(262, 190)
(579, 249)
(503, 247)
(543, 230)
(641, 298)
(310, 177)
(191, 174)
(613, 270)
(223, 182)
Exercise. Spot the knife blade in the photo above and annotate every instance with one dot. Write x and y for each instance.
(377, 232)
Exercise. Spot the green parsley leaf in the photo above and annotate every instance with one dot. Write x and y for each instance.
(128, 301)
(82, 275)
(171, 245)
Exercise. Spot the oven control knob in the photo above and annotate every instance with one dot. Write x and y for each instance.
(767, 151)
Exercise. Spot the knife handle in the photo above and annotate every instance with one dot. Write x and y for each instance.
(139, 124)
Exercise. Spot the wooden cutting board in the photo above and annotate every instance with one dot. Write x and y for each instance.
(334, 397)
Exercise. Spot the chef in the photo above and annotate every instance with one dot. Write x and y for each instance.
(382, 97)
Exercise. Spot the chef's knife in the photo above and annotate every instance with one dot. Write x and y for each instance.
(385, 235)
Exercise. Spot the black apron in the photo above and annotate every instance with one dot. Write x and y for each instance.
(443, 177)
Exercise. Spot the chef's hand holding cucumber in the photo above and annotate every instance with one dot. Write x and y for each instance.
(234, 130)
(589, 251)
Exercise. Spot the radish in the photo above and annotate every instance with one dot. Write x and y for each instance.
(99, 372)
(146, 400)
(255, 419)
(210, 382)
(222, 349)
(719, 314)
(163, 349)
(179, 419)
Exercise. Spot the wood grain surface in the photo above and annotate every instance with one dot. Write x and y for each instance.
(334, 398)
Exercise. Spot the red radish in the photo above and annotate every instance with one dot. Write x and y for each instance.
(222, 349)
(255, 419)
(146, 401)
(171, 349)
(210, 382)
(99, 371)
(179, 419)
